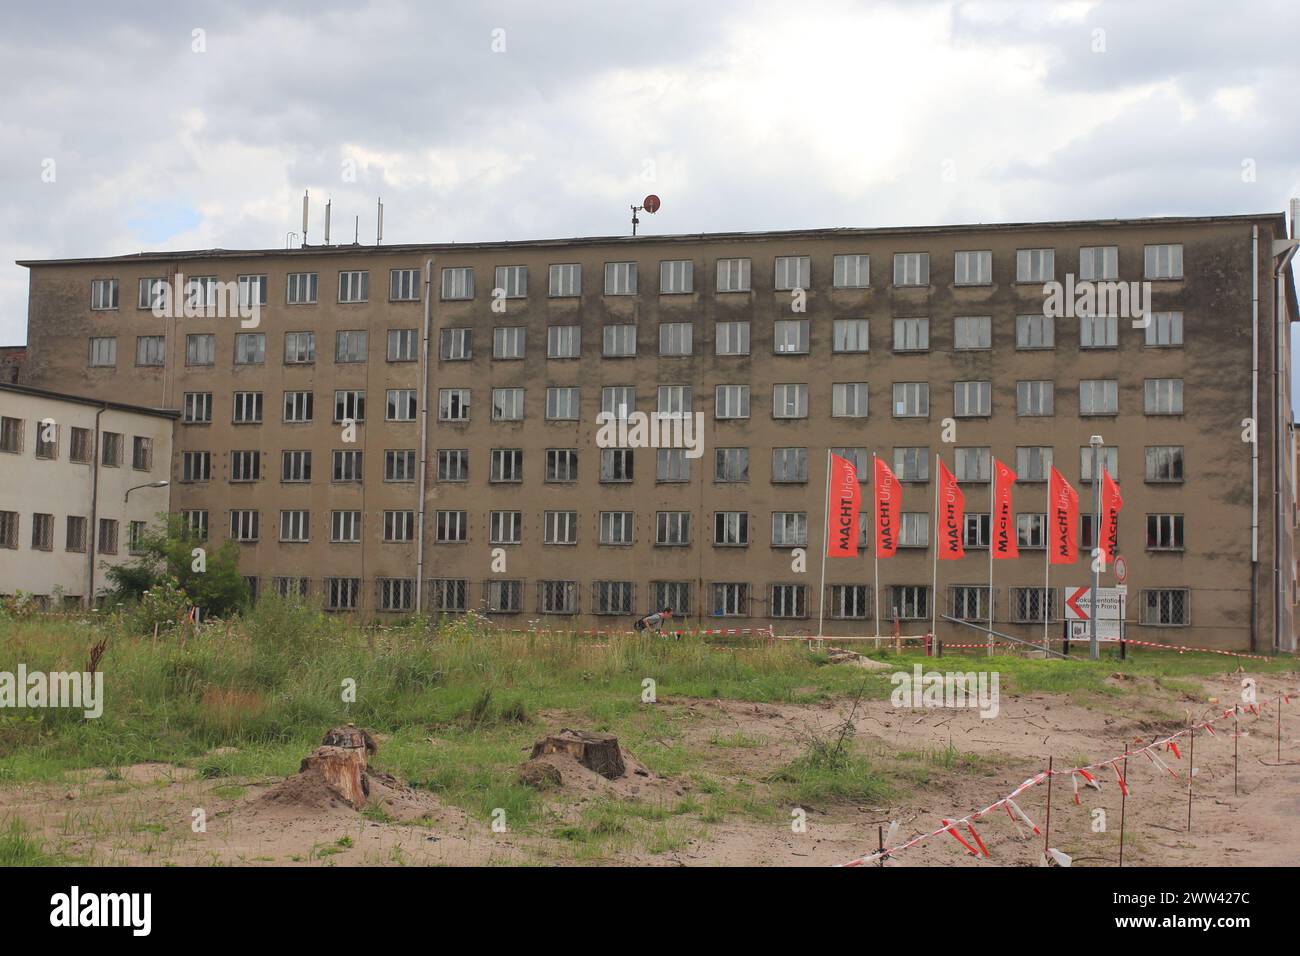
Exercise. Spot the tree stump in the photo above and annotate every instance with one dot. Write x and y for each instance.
(341, 763)
(597, 752)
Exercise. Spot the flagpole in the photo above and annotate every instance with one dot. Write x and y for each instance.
(1047, 556)
(934, 547)
(875, 543)
(826, 531)
(993, 472)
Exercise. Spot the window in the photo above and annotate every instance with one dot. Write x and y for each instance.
(43, 532)
(616, 527)
(108, 536)
(396, 594)
(1167, 607)
(730, 600)
(507, 404)
(298, 406)
(346, 466)
(1034, 399)
(565, 280)
(563, 403)
(503, 597)
(975, 532)
(450, 527)
(196, 466)
(563, 341)
(1109, 457)
(457, 345)
(788, 600)
(112, 450)
(453, 404)
(620, 341)
(675, 338)
(1164, 396)
(400, 405)
(616, 464)
(911, 400)
(1165, 330)
(350, 346)
(150, 350)
(453, 464)
(973, 464)
(505, 527)
(849, 400)
(354, 287)
(790, 465)
(1099, 397)
(860, 459)
(9, 530)
(197, 408)
(457, 283)
(141, 453)
(507, 465)
(1164, 463)
(972, 399)
(1031, 531)
(849, 335)
(342, 594)
(789, 529)
(349, 405)
(620, 278)
(557, 597)
(399, 464)
(852, 272)
(302, 288)
(295, 466)
(247, 408)
(914, 529)
(1035, 265)
(672, 529)
(11, 435)
(400, 526)
(1028, 605)
(403, 285)
(153, 293)
(790, 337)
(300, 348)
(911, 268)
(288, 588)
(1035, 332)
(508, 342)
(972, 332)
(733, 275)
(1164, 262)
(731, 464)
(1098, 331)
(103, 294)
(1033, 462)
(970, 602)
(196, 523)
(202, 293)
(731, 338)
(731, 529)
(789, 401)
(849, 602)
(245, 465)
(676, 277)
(345, 527)
(912, 463)
(561, 464)
(793, 272)
(511, 282)
(244, 525)
(673, 594)
(294, 526)
(674, 400)
(401, 345)
(448, 594)
(250, 348)
(103, 352)
(909, 602)
(1164, 532)
(560, 527)
(731, 401)
(252, 291)
(911, 335)
(671, 464)
(1099, 263)
(972, 268)
(47, 439)
(201, 349)
(75, 538)
(613, 597)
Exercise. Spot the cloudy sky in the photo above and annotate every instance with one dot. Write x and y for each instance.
(130, 126)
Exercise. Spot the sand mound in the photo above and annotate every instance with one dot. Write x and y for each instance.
(562, 771)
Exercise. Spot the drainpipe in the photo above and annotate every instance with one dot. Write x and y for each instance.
(1254, 443)
(92, 530)
(1279, 415)
(424, 437)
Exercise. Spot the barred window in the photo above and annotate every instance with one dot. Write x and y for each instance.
(289, 587)
(613, 597)
(448, 594)
(75, 537)
(396, 594)
(47, 439)
(1027, 605)
(141, 453)
(11, 435)
(970, 602)
(1166, 607)
(43, 532)
(111, 456)
(788, 600)
(342, 594)
(9, 530)
(671, 594)
(503, 597)
(557, 597)
(850, 602)
(730, 600)
(909, 602)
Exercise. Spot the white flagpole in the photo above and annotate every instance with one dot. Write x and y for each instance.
(875, 544)
(1047, 558)
(993, 472)
(826, 531)
(934, 547)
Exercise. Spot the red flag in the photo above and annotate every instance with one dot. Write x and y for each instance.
(842, 509)
(1003, 520)
(952, 516)
(889, 502)
(1111, 502)
(1062, 519)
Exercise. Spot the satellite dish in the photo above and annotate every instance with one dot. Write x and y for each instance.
(651, 203)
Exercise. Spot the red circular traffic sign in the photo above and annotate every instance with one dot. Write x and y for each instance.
(1121, 569)
(651, 203)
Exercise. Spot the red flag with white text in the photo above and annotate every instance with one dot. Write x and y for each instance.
(1062, 520)
(889, 502)
(1111, 503)
(1002, 528)
(952, 516)
(842, 509)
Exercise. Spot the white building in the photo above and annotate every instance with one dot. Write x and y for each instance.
(80, 479)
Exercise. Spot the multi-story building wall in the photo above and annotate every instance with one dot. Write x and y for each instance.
(905, 343)
(80, 481)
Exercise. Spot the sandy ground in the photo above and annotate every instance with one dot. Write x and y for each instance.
(144, 818)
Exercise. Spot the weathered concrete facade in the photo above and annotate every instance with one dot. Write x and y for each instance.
(1210, 565)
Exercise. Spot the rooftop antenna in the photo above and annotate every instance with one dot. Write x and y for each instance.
(289, 237)
(1295, 214)
(650, 204)
(304, 217)
(379, 225)
(327, 221)
(356, 231)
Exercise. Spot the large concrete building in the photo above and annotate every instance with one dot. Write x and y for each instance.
(905, 343)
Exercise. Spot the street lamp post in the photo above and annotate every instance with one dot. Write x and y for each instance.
(163, 483)
(1095, 442)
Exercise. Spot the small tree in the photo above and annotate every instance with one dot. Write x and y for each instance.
(168, 551)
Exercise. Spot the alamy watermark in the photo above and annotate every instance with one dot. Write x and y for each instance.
(1088, 298)
(207, 298)
(36, 690)
(946, 690)
(652, 430)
